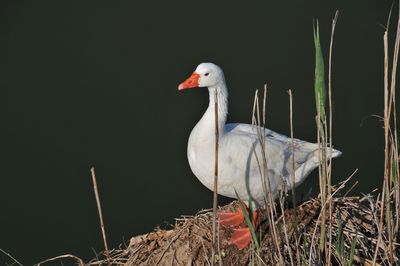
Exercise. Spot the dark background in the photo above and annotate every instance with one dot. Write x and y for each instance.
(94, 83)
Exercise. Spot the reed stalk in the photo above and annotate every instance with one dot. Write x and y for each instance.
(103, 230)
(293, 175)
(330, 107)
(270, 208)
(391, 163)
(215, 195)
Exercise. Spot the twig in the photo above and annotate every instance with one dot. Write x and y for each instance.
(350, 189)
(103, 231)
(9, 255)
(80, 261)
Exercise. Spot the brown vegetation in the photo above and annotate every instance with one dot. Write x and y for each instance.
(190, 241)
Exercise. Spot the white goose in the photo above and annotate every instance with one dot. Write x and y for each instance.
(240, 153)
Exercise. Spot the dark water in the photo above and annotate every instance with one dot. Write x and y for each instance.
(95, 83)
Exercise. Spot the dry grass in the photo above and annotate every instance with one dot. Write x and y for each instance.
(190, 241)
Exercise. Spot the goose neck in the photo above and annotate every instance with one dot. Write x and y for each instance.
(218, 94)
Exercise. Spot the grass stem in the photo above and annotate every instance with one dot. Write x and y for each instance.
(215, 196)
(103, 231)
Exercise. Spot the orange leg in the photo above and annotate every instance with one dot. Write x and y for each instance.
(231, 218)
(241, 237)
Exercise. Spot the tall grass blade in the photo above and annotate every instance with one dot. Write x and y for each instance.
(340, 240)
(319, 82)
(352, 250)
(330, 136)
(248, 220)
(320, 98)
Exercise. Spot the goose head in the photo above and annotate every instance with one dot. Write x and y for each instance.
(206, 75)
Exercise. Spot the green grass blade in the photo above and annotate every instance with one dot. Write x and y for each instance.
(250, 211)
(320, 98)
(304, 260)
(248, 221)
(340, 240)
(319, 83)
(353, 250)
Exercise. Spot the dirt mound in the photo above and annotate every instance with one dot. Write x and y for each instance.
(189, 242)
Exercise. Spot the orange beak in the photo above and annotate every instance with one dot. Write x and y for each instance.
(191, 82)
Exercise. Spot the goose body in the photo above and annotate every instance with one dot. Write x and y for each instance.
(240, 151)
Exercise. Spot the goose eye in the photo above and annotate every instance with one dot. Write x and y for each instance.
(206, 74)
